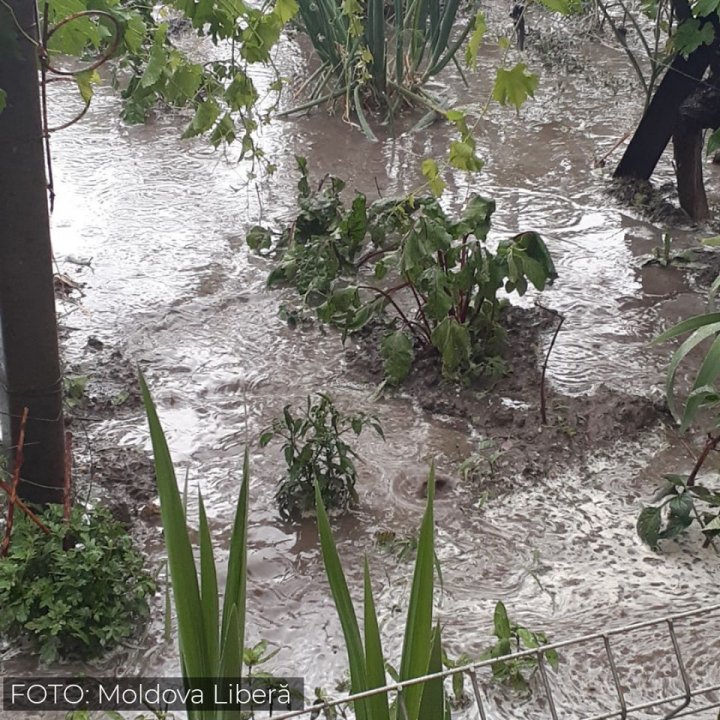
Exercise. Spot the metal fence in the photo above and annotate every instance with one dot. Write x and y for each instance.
(691, 696)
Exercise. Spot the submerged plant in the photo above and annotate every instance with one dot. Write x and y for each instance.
(77, 591)
(437, 279)
(422, 644)
(315, 451)
(511, 638)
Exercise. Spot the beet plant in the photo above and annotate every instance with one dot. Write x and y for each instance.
(438, 281)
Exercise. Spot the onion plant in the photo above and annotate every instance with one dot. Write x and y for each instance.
(422, 647)
(378, 57)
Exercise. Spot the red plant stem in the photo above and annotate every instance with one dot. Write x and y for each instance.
(428, 330)
(543, 407)
(369, 256)
(19, 459)
(388, 297)
(710, 445)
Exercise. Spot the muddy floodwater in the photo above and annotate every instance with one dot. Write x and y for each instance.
(172, 287)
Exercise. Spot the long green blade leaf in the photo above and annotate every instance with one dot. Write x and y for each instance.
(208, 589)
(678, 356)
(433, 697)
(236, 585)
(417, 644)
(709, 370)
(688, 325)
(374, 659)
(230, 665)
(344, 606)
(180, 556)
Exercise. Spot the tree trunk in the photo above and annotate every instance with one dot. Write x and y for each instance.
(688, 152)
(661, 117)
(30, 370)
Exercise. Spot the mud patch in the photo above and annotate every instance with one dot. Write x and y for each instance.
(506, 411)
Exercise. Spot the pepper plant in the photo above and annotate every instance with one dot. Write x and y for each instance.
(316, 452)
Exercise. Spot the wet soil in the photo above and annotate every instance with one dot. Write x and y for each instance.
(507, 410)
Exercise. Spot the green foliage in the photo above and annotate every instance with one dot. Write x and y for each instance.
(211, 638)
(512, 637)
(679, 503)
(316, 454)
(514, 86)
(149, 69)
(422, 647)
(74, 387)
(381, 60)
(78, 602)
(416, 256)
(703, 393)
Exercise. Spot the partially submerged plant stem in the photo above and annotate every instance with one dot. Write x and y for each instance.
(543, 402)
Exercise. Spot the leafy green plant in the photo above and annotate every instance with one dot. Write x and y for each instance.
(482, 461)
(211, 638)
(422, 644)
(418, 259)
(315, 452)
(76, 592)
(512, 637)
(381, 60)
(681, 501)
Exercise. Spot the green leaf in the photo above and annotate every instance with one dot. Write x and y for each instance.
(3, 99)
(648, 526)
(563, 7)
(236, 584)
(208, 590)
(241, 93)
(713, 142)
(476, 216)
(397, 353)
(431, 172)
(703, 8)
(501, 622)
(462, 156)
(433, 696)
(258, 238)
(691, 34)
(156, 59)
(134, 35)
(374, 660)
(286, 9)
(344, 607)
(418, 640)
(476, 38)
(453, 341)
(439, 300)
(181, 560)
(514, 86)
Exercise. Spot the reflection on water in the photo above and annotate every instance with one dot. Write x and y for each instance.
(173, 284)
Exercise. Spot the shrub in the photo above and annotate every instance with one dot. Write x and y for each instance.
(78, 602)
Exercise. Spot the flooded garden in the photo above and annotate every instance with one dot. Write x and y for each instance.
(544, 456)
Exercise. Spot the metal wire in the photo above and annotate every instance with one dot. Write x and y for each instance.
(623, 709)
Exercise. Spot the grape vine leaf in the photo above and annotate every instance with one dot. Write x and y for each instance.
(514, 86)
